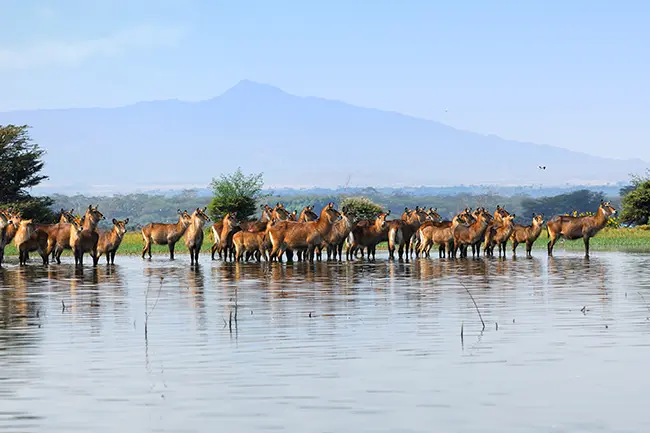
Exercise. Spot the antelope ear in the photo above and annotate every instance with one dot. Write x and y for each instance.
(388, 213)
(513, 216)
(179, 211)
(90, 207)
(533, 214)
(126, 221)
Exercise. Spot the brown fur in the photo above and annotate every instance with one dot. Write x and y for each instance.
(336, 237)
(229, 226)
(84, 237)
(368, 235)
(109, 241)
(464, 236)
(250, 244)
(28, 238)
(439, 233)
(304, 236)
(59, 238)
(165, 234)
(498, 234)
(527, 234)
(194, 234)
(571, 228)
(8, 223)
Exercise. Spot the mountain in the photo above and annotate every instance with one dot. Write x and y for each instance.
(295, 141)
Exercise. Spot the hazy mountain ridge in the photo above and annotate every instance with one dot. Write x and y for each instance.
(295, 141)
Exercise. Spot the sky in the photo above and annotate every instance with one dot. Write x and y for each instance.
(571, 74)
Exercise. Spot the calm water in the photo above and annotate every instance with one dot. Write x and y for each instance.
(362, 347)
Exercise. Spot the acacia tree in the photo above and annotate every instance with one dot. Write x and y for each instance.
(21, 165)
(236, 192)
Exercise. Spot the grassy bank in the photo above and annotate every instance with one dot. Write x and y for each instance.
(609, 239)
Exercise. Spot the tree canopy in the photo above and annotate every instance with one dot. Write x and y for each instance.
(236, 192)
(362, 207)
(580, 201)
(21, 165)
(636, 200)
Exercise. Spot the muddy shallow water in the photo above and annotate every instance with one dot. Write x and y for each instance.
(363, 347)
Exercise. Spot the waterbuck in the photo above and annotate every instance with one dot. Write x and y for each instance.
(84, 237)
(572, 228)
(109, 241)
(28, 238)
(194, 234)
(165, 234)
(367, 234)
(527, 234)
(305, 236)
(7, 221)
(498, 234)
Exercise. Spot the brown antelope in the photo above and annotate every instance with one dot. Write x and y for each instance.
(367, 235)
(305, 236)
(253, 226)
(84, 237)
(250, 244)
(466, 235)
(59, 237)
(306, 214)
(400, 232)
(28, 238)
(194, 234)
(585, 227)
(498, 234)
(109, 241)
(269, 214)
(527, 234)
(336, 237)
(432, 216)
(293, 216)
(7, 220)
(229, 226)
(440, 233)
(165, 234)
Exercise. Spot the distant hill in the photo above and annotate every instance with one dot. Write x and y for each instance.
(295, 141)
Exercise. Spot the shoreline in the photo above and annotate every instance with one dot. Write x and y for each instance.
(609, 239)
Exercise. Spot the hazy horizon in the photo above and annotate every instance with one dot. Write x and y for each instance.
(540, 73)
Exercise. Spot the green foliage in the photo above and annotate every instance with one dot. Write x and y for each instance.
(635, 181)
(36, 208)
(361, 207)
(141, 209)
(20, 169)
(636, 204)
(236, 192)
(581, 201)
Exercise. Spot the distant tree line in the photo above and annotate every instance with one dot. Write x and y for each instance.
(145, 208)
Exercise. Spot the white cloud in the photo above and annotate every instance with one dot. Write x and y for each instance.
(49, 53)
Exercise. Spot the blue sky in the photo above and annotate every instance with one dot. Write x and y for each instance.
(573, 74)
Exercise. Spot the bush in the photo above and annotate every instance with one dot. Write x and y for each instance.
(361, 207)
(236, 192)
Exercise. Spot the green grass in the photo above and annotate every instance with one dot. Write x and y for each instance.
(609, 239)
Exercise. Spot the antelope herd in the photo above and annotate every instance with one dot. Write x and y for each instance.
(279, 232)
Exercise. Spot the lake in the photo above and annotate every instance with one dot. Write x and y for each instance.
(327, 347)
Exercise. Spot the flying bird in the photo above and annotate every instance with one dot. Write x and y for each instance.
(541, 167)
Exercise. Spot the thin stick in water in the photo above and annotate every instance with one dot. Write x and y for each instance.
(470, 295)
